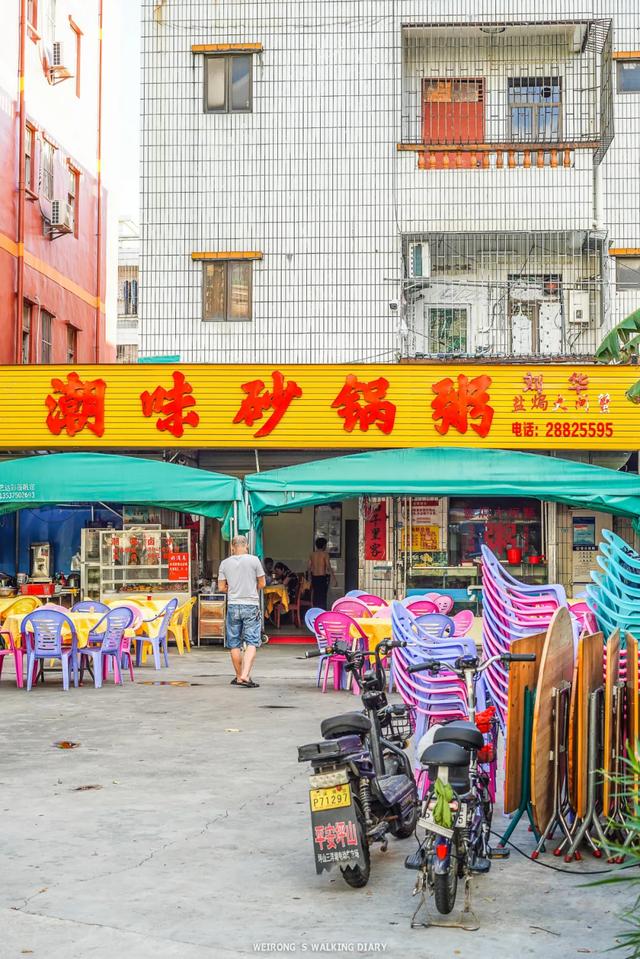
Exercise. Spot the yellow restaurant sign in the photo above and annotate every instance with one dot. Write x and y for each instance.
(509, 407)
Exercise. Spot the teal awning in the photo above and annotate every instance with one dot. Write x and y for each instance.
(445, 472)
(52, 478)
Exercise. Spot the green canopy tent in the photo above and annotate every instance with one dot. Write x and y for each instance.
(58, 478)
(444, 472)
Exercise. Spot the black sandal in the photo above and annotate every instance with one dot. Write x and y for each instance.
(249, 684)
(234, 681)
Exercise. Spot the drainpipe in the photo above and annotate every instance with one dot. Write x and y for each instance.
(99, 223)
(22, 119)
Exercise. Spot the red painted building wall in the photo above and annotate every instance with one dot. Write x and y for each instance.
(60, 272)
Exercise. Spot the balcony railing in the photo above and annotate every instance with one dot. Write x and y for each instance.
(506, 95)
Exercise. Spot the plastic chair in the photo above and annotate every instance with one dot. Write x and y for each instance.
(463, 621)
(355, 592)
(421, 606)
(57, 607)
(42, 632)
(302, 601)
(436, 624)
(90, 606)
(179, 626)
(105, 640)
(333, 627)
(159, 640)
(23, 604)
(370, 600)
(18, 654)
(351, 607)
(444, 603)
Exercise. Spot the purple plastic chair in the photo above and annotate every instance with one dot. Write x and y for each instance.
(42, 632)
(105, 640)
(309, 619)
(160, 638)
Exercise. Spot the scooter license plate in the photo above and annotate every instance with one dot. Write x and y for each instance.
(427, 822)
(331, 797)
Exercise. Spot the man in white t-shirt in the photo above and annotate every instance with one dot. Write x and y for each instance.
(241, 576)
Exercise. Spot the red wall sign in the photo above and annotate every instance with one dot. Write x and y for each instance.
(178, 566)
(375, 533)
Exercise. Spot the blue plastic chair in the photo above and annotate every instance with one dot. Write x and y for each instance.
(309, 619)
(89, 606)
(105, 640)
(354, 593)
(42, 632)
(160, 638)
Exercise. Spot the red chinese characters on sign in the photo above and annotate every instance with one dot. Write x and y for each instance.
(375, 533)
(259, 399)
(453, 407)
(178, 566)
(334, 835)
(74, 405)
(364, 404)
(579, 382)
(171, 405)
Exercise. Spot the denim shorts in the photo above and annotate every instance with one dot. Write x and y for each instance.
(244, 625)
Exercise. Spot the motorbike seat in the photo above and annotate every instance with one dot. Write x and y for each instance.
(461, 732)
(455, 758)
(445, 754)
(344, 725)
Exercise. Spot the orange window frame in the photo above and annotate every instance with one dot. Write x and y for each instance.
(78, 35)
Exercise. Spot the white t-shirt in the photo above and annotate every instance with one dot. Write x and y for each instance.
(241, 573)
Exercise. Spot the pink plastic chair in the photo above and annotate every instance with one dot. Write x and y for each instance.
(422, 606)
(370, 600)
(463, 622)
(331, 628)
(443, 602)
(351, 607)
(18, 656)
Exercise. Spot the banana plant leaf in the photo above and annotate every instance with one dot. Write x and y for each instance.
(622, 342)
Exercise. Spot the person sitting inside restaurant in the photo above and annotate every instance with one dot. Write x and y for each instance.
(268, 570)
(282, 574)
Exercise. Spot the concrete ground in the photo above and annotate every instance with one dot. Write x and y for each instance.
(197, 843)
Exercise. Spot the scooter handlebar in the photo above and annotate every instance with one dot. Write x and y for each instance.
(312, 653)
(519, 658)
(430, 664)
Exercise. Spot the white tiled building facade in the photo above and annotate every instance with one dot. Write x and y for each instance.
(350, 180)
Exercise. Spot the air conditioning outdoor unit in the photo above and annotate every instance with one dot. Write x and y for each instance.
(578, 306)
(61, 215)
(57, 54)
(419, 260)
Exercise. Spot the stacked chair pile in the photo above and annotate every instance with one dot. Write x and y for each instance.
(614, 595)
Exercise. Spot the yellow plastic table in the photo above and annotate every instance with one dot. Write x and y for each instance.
(83, 623)
(376, 630)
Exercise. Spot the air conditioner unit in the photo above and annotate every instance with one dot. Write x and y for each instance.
(419, 260)
(61, 215)
(57, 54)
(578, 307)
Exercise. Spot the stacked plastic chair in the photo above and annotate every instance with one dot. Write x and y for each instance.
(614, 595)
(438, 697)
(511, 610)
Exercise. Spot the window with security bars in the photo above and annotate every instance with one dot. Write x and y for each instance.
(226, 291)
(29, 155)
(130, 297)
(448, 330)
(228, 81)
(47, 169)
(26, 331)
(127, 353)
(46, 334)
(535, 108)
(72, 344)
(72, 198)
